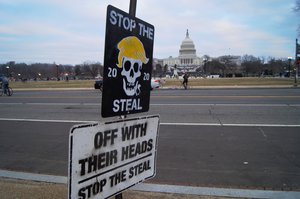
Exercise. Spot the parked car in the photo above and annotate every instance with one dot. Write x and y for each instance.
(99, 84)
(155, 83)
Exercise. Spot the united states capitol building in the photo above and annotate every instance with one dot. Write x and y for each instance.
(187, 61)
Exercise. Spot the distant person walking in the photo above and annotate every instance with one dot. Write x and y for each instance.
(175, 72)
(185, 80)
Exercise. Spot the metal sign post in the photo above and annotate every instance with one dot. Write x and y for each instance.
(132, 11)
(132, 7)
(297, 56)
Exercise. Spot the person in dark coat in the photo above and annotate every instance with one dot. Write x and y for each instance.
(185, 80)
(5, 83)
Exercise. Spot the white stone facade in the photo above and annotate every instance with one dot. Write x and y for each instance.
(187, 59)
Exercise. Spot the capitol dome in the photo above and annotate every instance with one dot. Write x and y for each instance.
(187, 48)
(187, 59)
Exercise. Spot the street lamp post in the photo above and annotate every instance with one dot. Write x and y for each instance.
(295, 69)
(7, 71)
(290, 60)
(57, 72)
(296, 63)
(204, 65)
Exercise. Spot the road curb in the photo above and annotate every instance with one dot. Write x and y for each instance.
(159, 188)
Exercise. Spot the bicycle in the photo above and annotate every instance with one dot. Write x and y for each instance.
(9, 91)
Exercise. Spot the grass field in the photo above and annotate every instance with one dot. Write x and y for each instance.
(53, 84)
(168, 83)
(234, 82)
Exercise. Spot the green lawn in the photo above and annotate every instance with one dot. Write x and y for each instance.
(54, 84)
(168, 83)
(234, 82)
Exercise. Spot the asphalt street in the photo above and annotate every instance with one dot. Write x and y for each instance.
(241, 138)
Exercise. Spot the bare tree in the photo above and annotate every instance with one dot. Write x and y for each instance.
(77, 70)
(253, 66)
(214, 67)
(157, 70)
(90, 69)
(165, 68)
(230, 66)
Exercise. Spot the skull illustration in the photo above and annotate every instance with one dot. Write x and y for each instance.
(131, 58)
(131, 71)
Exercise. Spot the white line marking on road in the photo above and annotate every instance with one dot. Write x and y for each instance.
(263, 125)
(238, 125)
(38, 120)
(51, 104)
(235, 105)
(175, 104)
(163, 123)
(160, 188)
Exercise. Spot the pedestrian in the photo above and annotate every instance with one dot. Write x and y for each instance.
(185, 80)
(5, 82)
(175, 72)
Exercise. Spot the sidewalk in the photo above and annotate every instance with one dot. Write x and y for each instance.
(20, 189)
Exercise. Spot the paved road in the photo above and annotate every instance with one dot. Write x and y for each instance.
(242, 138)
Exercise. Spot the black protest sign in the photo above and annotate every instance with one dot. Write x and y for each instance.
(127, 64)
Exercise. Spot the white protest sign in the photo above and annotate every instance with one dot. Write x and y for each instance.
(107, 158)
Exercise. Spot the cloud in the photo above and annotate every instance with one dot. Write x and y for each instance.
(76, 28)
(231, 27)
(32, 29)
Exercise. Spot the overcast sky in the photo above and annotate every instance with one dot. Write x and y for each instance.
(73, 31)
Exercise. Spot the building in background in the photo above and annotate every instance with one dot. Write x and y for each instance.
(187, 61)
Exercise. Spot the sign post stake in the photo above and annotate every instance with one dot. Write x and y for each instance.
(296, 62)
(132, 7)
(132, 11)
(119, 196)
